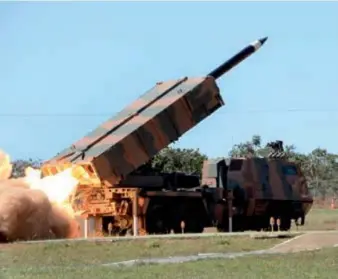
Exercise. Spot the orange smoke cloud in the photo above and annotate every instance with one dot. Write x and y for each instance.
(33, 207)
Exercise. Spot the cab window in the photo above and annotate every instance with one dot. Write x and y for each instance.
(289, 170)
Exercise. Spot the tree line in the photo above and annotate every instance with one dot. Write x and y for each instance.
(319, 166)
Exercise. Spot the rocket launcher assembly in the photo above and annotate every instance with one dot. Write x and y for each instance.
(136, 134)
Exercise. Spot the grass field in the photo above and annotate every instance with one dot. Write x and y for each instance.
(320, 219)
(317, 264)
(84, 259)
(317, 219)
(70, 253)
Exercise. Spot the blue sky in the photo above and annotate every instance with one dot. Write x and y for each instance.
(67, 67)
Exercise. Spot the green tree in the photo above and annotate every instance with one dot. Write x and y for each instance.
(322, 172)
(319, 166)
(255, 147)
(242, 149)
(185, 160)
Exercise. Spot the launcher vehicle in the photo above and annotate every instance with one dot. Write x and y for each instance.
(121, 196)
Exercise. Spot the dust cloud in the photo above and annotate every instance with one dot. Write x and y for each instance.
(29, 214)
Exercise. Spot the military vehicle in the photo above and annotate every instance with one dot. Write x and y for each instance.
(262, 188)
(119, 194)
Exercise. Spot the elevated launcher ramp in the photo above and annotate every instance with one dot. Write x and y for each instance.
(136, 134)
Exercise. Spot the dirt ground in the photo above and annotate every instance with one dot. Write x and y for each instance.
(210, 230)
(308, 241)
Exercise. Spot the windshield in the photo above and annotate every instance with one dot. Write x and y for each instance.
(290, 170)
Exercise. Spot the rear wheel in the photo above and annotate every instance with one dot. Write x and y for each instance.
(285, 223)
(192, 214)
(193, 225)
(156, 221)
(3, 238)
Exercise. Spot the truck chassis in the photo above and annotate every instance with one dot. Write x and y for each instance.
(134, 211)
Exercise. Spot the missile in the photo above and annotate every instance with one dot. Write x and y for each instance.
(237, 58)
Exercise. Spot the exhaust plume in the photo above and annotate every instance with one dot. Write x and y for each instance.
(35, 208)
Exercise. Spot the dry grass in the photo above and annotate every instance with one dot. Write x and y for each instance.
(320, 219)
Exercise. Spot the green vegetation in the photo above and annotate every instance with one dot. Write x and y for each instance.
(320, 219)
(319, 166)
(316, 264)
(83, 259)
(70, 253)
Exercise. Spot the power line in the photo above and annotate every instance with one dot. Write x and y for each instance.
(112, 113)
(282, 110)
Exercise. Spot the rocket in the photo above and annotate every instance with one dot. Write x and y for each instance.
(237, 58)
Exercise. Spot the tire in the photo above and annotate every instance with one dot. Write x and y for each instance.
(156, 222)
(285, 223)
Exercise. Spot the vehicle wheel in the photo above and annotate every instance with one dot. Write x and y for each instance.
(285, 223)
(156, 221)
(193, 226)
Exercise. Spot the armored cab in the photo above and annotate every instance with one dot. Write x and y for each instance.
(262, 188)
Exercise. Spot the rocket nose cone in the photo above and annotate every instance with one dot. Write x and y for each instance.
(262, 41)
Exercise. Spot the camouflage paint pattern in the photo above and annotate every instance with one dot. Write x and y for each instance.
(131, 138)
(262, 179)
